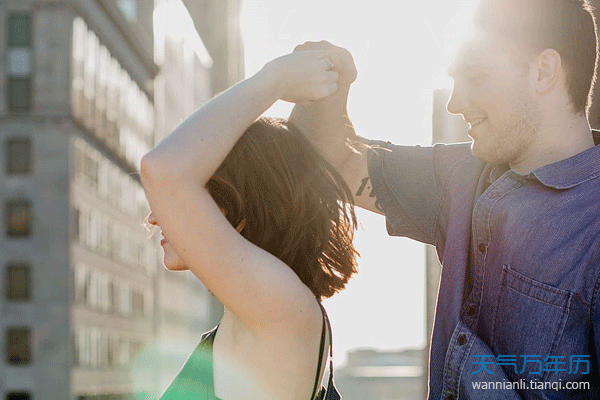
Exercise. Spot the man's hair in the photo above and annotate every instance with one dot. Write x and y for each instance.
(284, 197)
(567, 26)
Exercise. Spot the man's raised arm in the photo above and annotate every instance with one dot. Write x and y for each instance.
(327, 126)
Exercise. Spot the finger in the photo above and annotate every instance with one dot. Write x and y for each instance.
(325, 43)
(317, 53)
(332, 88)
(331, 76)
(306, 46)
(328, 63)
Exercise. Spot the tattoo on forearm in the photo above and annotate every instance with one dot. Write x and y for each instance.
(377, 206)
(364, 184)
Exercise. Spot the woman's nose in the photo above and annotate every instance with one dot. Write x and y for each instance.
(152, 220)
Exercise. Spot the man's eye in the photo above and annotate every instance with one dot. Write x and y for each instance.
(477, 79)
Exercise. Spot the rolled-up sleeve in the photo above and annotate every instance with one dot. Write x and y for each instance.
(410, 182)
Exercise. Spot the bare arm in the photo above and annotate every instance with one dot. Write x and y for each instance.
(174, 175)
(326, 124)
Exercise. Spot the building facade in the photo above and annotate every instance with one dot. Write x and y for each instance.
(382, 375)
(87, 309)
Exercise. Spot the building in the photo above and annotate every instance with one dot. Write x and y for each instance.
(85, 302)
(382, 375)
(218, 23)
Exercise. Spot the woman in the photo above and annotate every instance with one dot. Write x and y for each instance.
(265, 223)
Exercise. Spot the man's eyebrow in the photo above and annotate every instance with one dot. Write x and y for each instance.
(457, 69)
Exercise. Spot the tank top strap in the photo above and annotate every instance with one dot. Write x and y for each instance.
(321, 350)
(331, 391)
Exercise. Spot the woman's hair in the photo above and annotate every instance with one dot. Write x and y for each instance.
(284, 197)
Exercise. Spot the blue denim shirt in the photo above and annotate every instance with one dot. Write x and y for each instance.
(518, 296)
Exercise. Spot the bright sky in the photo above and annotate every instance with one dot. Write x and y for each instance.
(401, 50)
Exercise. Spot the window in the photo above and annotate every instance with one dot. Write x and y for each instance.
(19, 30)
(18, 396)
(137, 300)
(19, 72)
(18, 344)
(19, 219)
(18, 156)
(129, 9)
(18, 282)
(19, 94)
(75, 223)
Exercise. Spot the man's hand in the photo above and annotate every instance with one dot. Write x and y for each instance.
(325, 122)
(343, 63)
(326, 125)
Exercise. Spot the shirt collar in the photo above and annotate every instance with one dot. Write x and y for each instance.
(574, 170)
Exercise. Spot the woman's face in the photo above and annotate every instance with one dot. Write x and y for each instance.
(171, 259)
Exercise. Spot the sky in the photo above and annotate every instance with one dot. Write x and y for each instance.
(401, 50)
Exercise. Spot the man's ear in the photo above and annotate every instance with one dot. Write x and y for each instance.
(547, 70)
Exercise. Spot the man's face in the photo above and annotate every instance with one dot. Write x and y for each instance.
(495, 96)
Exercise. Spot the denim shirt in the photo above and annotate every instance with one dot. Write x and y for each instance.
(518, 296)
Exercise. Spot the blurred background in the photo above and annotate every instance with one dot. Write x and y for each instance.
(87, 87)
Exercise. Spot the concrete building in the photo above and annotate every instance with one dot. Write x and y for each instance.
(382, 375)
(76, 114)
(86, 306)
(218, 23)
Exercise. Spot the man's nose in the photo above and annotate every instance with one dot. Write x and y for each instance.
(458, 100)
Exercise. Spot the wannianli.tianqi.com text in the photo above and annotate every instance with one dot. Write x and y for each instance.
(533, 384)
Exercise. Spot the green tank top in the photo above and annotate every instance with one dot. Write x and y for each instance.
(195, 380)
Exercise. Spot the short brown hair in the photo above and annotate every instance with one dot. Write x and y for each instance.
(567, 26)
(287, 199)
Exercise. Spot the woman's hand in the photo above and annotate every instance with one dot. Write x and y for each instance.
(302, 75)
(341, 58)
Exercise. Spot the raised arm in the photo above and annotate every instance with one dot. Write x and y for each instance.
(253, 284)
(326, 124)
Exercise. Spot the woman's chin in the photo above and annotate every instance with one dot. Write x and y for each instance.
(176, 268)
(173, 263)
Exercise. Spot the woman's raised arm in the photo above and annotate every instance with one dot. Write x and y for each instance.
(254, 285)
(200, 143)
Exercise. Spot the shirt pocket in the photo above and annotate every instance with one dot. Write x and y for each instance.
(530, 320)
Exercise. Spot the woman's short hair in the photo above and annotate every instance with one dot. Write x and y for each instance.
(284, 197)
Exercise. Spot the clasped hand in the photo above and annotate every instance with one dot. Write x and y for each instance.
(312, 72)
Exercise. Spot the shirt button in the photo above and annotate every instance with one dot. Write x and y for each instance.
(471, 311)
(462, 339)
(481, 247)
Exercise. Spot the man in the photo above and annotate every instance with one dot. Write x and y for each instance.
(515, 216)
